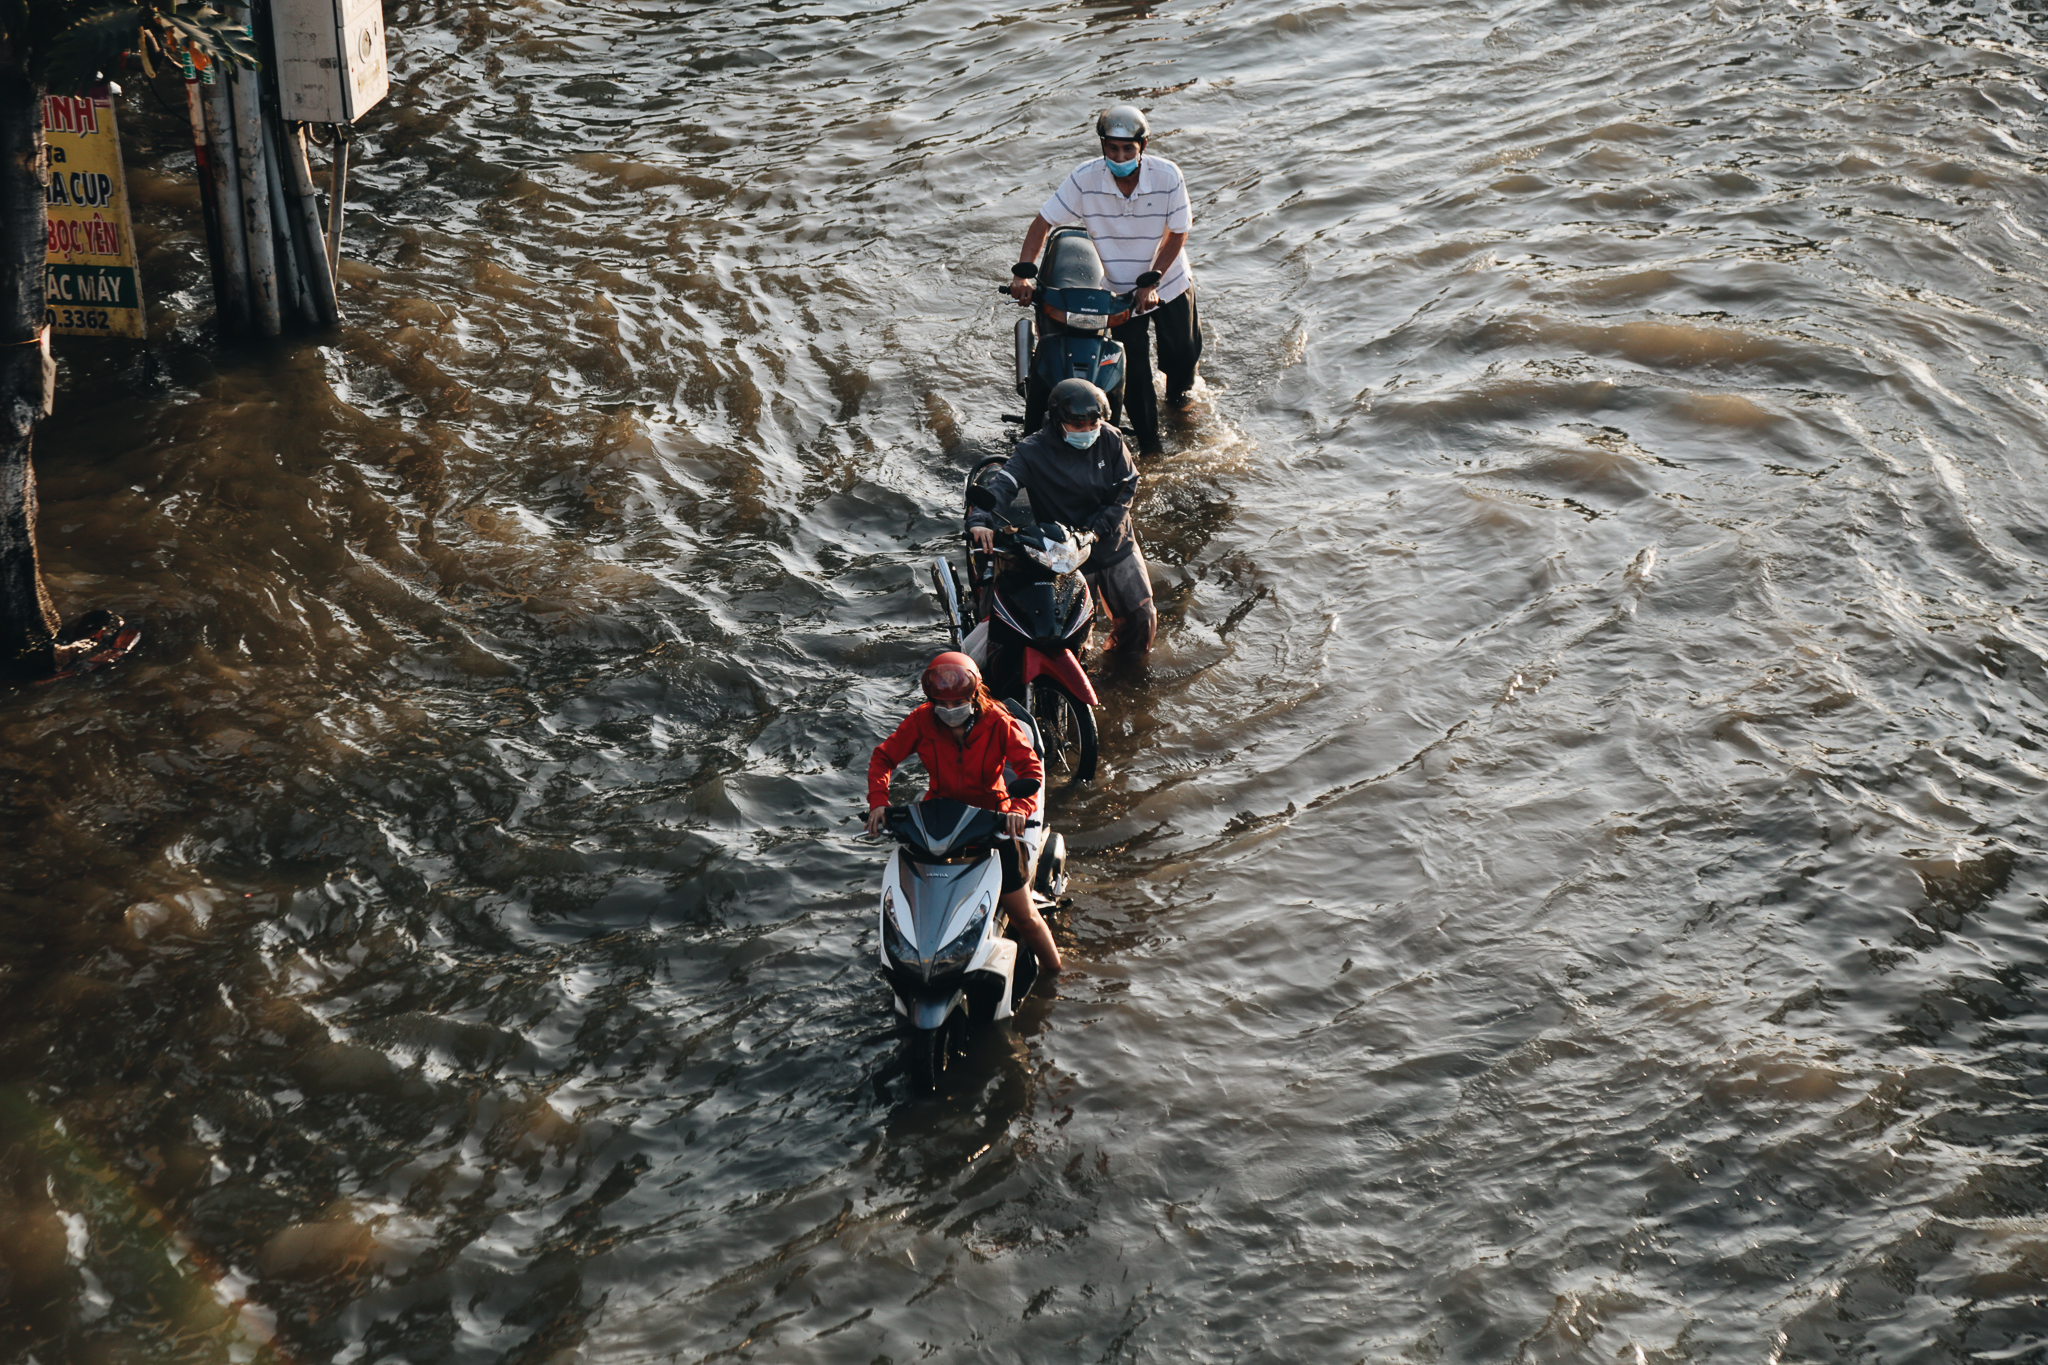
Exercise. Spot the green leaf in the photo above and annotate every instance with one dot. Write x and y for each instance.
(77, 55)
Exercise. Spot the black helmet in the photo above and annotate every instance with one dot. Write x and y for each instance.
(1123, 121)
(1073, 399)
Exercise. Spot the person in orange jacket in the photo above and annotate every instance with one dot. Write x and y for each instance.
(966, 738)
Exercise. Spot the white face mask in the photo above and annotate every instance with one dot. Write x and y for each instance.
(954, 715)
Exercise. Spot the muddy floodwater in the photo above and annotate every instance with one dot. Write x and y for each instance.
(1570, 884)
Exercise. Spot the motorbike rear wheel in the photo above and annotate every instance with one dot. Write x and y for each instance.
(1068, 727)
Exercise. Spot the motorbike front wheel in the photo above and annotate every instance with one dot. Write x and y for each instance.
(933, 1051)
(946, 583)
(1068, 727)
(1035, 394)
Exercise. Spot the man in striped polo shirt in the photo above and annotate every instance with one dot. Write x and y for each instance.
(1136, 210)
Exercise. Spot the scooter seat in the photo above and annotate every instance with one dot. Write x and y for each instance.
(1073, 262)
(1030, 728)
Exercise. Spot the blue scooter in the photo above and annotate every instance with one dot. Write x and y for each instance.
(1066, 334)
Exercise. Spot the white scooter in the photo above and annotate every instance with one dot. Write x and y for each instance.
(944, 951)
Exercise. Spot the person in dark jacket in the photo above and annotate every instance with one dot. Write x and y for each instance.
(1079, 472)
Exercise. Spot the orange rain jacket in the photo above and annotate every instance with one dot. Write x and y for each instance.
(973, 772)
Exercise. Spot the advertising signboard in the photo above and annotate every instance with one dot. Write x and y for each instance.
(89, 266)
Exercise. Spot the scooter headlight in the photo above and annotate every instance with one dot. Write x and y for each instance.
(899, 948)
(1087, 322)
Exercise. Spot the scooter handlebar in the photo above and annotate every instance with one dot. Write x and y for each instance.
(1010, 531)
(892, 816)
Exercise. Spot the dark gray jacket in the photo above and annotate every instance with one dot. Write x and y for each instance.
(1088, 489)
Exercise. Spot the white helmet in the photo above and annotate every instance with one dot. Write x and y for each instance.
(1125, 122)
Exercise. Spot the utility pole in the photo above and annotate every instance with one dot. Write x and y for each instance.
(275, 269)
(28, 620)
(45, 47)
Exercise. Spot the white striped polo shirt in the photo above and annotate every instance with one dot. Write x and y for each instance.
(1127, 231)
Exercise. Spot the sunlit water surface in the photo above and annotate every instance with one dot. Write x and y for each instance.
(1567, 887)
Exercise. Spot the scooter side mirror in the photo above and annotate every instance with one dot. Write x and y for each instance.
(1021, 787)
(984, 497)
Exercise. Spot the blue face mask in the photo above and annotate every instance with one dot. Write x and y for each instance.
(1122, 167)
(1081, 440)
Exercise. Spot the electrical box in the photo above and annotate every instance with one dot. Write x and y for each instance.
(330, 58)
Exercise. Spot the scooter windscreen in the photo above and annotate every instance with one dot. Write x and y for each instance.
(940, 828)
(1074, 288)
(1050, 545)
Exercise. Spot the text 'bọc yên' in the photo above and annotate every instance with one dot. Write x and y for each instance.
(93, 237)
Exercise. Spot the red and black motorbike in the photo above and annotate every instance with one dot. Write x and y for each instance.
(1025, 613)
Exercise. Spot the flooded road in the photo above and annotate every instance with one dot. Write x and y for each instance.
(1567, 887)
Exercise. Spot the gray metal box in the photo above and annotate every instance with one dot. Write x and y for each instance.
(330, 58)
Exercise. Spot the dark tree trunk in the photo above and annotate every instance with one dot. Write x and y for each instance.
(28, 621)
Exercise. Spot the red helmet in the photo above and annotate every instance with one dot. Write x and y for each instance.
(951, 678)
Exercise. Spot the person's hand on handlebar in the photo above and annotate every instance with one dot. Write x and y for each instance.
(875, 818)
(982, 537)
(1013, 823)
(1020, 290)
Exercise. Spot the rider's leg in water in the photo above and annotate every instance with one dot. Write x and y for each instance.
(1031, 929)
(1036, 391)
(1141, 401)
(1004, 672)
(1026, 924)
(1179, 325)
(1126, 588)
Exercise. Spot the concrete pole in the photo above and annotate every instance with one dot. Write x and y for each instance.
(263, 294)
(225, 173)
(209, 203)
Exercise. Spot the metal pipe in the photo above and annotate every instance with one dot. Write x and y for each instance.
(227, 188)
(336, 192)
(291, 280)
(319, 270)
